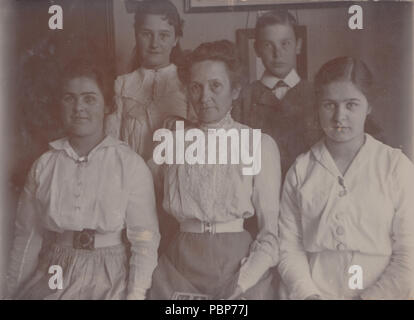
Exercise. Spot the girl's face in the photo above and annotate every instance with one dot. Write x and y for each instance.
(210, 90)
(343, 109)
(83, 107)
(155, 39)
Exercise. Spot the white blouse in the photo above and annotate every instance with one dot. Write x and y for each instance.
(111, 191)
(221, 193)
(331, 222)
(144, 99)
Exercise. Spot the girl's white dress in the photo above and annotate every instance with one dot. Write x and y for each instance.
(144, 99)
(365, 219)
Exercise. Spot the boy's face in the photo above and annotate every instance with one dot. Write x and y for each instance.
(277, 47)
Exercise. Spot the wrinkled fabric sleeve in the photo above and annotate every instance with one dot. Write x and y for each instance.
(113, 120)
(142, 230)
(293, 266)
(264, 251)
(397, 280)
(27, 236)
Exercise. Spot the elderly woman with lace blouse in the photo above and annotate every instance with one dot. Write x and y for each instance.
(213, 256)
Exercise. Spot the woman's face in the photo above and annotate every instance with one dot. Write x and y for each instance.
(343, 109)
(83, 107)
(155, 39)
(210, 90)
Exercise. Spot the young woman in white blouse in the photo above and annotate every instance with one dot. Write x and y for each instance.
(148, 97)
(347, 210)
(213, 256)
(80, 200)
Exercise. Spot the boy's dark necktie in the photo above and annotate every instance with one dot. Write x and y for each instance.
(280, 89)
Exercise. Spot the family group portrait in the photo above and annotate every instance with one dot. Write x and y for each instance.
(206, 150)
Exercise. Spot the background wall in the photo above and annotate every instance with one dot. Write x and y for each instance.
(8, 23)
(385, 44)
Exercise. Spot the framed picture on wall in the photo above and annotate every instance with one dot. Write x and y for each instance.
(253, 64)
(236, 5)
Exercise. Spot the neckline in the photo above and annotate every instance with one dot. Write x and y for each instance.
(326, 159)
(226, 123)
(162, 69)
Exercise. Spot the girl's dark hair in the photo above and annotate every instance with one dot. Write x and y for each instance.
(222, 50)
(345, 69)
(84, 67)
(356, 71)
(164, 8)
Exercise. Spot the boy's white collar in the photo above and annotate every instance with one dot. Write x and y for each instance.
(269, 80)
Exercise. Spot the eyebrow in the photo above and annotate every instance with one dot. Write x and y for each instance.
(82, 93)
(150, 30)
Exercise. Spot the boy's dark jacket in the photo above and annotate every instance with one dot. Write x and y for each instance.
(291, 121)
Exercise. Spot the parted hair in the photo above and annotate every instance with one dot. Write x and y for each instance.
(223, 50)
(270, 18)
(346, 69)
(164, 8)
(89, 68)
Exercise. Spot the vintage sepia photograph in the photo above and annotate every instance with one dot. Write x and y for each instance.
(206, 150)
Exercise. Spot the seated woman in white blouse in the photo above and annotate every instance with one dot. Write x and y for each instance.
(78, 200)
(347, 208)
(213, 256)
(148, 97)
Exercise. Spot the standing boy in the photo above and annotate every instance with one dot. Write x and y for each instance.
(280, 103)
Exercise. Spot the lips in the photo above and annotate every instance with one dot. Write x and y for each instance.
(80, 119)
(340, 128)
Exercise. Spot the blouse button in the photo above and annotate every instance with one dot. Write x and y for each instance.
(77, 208)
(340, 231)
(340, 246)
(342, 193)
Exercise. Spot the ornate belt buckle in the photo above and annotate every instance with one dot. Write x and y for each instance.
(84, 239)
(209, 227)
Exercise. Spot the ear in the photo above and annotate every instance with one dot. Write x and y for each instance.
(176, 41)
(369, 109)
(236, 92)
(298, 46)
(107, 109)
(256, 48)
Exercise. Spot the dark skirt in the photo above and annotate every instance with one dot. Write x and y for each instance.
(205, 266)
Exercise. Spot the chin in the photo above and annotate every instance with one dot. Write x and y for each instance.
(279, 73)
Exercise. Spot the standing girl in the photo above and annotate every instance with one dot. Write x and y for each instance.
(152, 94)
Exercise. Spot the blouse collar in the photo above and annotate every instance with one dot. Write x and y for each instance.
(167, 69)
(134, 80)
(63, 144)
(226, 123)
(323, 156)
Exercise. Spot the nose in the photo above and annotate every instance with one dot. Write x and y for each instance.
(276, 51)
(79, 105)
(205, 94)
(339, 113)
(154, 41)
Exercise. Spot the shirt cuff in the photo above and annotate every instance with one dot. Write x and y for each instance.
(303, 291)
(136, 294)
(253, 269)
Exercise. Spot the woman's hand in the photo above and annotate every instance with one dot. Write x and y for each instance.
(236, 294)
